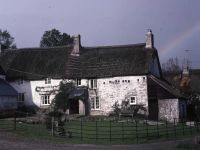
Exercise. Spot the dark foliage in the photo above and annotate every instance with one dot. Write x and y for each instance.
(61, 100)
(125, 107)
(6, 40)
(54, 38)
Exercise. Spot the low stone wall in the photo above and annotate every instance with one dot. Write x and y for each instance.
(168, 109)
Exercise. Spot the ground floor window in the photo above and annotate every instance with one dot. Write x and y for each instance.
(132, 100)
(95, 103)
(45, 99)
(20, 97)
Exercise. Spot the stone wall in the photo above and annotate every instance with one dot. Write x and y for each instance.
(168, 109)
(110, 90)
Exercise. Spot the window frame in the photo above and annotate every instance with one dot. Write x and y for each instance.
(20, 97)
(135, 100)
(93, 83)
(78, 82)
(45, 100)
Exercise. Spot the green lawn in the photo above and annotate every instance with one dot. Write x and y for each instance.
(105, 132)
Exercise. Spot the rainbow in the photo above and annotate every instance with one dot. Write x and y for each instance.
(181, 38)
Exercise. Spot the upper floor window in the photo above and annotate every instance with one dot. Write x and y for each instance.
(20, 81)
(48, 81)
(93, 83)
(132, 100)
(20, 97)
(78, 82)
(45, 99)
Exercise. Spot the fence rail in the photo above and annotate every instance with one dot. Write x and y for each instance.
(139, 131)
(103, 131)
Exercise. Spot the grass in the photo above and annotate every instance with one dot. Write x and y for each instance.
(105, 132)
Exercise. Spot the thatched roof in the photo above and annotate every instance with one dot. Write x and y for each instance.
(93, 62)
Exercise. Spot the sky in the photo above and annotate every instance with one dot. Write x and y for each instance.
(174, 23)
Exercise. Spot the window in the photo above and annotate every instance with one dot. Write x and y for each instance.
(132, 100)
(93, 84)
(20, 81)
(95, 103)
(47, 81)
(45, 99)
(78, 82)
(20, 97)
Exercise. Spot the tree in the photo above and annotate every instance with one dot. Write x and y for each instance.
(56, 117)
(61, 100)
(54, 37)
(6, 39)
(172, 65)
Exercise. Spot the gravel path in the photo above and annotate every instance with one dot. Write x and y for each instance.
(10, 142)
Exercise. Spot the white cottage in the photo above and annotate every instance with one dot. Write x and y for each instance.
(104, 75)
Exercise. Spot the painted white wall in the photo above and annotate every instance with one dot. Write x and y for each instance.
(31, 96)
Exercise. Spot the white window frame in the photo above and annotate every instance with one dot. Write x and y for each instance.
(48, 81)
(20, 97)
(93, 83)
(78, 82)
(45, 100)
(134, 101)
(95, 103)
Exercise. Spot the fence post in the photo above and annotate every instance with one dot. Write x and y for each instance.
(174, 127)
(197, 126)
(147, 129)
(183, 126)
(190, 127)
(123, 131)
(52, 126)
(81, 130)
(110, 131)
(136, 131)
(157, 129)
(96, 131)
(166, 123)
(15, 126)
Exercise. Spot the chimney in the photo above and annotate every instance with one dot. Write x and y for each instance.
(149, 39)
(76, 45)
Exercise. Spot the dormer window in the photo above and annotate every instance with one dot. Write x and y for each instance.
(20, 81)
(48, 81)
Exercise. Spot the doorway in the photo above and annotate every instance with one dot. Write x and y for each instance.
(74, 106)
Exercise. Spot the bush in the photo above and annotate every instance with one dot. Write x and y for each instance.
(125, 107)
